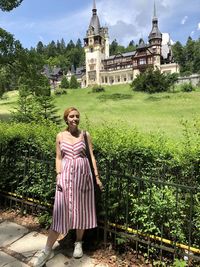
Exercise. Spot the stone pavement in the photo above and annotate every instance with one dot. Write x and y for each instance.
(19, 247)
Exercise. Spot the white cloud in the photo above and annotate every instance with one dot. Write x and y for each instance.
(183, 21)
(198, 27)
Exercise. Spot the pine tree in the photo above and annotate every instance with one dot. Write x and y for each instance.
(73, 82)
(64, 83)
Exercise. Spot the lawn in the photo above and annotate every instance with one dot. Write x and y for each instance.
(120, 106)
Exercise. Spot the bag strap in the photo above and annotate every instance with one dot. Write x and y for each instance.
(88, 155)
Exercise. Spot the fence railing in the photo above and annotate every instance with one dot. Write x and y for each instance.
(156, 216)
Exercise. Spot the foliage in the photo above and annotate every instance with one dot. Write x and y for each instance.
(36, 107)
(98, 89)
(187, 87)
(8, 5)
(29, 151)
(188, 56)
(59, 91)
(64, 83)
(73, 82)
(116, 48)
(153, 81)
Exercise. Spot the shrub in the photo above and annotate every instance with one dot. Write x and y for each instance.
(98, 89)
(187, 87)
(153, 81)
(60, 91)
(74, 83)
(64, 83)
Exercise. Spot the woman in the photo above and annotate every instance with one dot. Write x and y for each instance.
(74, 205)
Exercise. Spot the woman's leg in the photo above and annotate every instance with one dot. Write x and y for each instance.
(79, 234)
(46, 252)
(78, 251)
(52, 237)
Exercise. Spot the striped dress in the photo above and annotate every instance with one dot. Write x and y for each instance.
(74, 204)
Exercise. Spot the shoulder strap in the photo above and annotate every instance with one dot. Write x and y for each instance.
(86, 144)
(89, 156)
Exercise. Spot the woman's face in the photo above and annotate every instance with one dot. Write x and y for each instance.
(73, 118)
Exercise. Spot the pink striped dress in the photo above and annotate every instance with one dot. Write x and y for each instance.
(74, 204)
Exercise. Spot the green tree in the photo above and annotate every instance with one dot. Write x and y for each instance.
(153, 81)
(70, 45)
(113, 47)
(48, 110)
(196, 62)
(40, 48)
(64, 83)
(11, 58)
(179, 55)
(8, 5)
(73, 82)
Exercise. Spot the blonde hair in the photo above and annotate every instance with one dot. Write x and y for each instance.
(67, 111)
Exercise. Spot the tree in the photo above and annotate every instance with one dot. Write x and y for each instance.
(179, 55)
(153, 81)
(40, 48)
(113, 47)
(8, 5)
(73, 82)
(79, 44)
(11, 58)
(70, 45)
(64, 83)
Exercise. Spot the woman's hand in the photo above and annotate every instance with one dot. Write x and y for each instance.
(58, 176)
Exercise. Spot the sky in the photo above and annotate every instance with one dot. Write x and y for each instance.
(47, 20)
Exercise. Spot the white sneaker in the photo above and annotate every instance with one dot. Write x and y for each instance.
(78, 251)
(41, 259)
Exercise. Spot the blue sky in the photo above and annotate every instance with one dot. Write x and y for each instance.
(47, 20)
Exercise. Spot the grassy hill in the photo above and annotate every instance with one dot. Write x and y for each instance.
(120, 106)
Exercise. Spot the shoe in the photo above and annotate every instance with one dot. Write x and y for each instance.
(41, 259)
(78, 251)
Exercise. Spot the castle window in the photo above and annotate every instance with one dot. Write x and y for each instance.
(102, 79)
(142, 61)
(135, 63)
(106, 79)
(91, 50)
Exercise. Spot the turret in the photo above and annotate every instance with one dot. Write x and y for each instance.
(155, 36)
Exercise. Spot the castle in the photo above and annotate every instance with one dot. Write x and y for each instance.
(103, 69)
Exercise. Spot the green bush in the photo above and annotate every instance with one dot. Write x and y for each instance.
(187, 87)
(60, 91)
(98, 89)
(28, 169)
(153, 81)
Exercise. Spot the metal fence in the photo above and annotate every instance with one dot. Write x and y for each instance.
(156, 217)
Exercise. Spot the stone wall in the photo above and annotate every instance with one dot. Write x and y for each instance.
(194, 79)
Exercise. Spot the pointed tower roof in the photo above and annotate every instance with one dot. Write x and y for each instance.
(94, 22)
(155, 32)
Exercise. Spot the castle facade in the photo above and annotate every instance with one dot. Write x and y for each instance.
(103, 69)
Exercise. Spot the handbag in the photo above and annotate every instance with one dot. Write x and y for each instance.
(89, 157)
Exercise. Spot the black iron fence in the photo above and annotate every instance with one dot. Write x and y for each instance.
(154, 215)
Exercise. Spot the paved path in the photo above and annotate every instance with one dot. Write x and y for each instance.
(19, 247)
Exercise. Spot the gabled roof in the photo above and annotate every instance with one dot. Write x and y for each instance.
(127, 54)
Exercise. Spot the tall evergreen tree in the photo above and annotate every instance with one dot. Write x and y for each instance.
(73, 82)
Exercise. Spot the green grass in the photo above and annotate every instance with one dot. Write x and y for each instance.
(120, 106)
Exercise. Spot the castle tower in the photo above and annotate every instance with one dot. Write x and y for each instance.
(155, 40)
(96, 46)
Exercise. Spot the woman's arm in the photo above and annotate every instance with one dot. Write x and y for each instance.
(58, 155)
(97, 176)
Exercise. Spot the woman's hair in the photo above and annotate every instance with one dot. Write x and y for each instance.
(67, 111)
